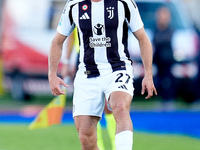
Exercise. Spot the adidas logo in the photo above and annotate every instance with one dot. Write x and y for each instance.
(123, 87)
(85, 16)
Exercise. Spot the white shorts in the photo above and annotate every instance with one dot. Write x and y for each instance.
(89, 93)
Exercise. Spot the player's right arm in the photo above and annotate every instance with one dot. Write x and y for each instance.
(70, 44)
(53, 61)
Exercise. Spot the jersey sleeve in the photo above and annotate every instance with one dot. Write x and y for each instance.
(66, 25)
(136, 22)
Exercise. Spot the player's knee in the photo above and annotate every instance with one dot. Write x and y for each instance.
(88, 141)
(83, 139)
(120, 107)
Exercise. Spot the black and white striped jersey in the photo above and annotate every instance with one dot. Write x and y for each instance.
(103, 33)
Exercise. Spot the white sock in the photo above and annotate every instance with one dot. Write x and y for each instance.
(124, 140)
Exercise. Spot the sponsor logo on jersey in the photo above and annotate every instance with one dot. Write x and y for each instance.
(123, 87)
(85, 16)
(98, 29)
(100, 40)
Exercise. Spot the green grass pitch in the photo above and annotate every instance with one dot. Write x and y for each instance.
(65, 137)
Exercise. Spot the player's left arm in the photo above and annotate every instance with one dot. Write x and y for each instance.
(147, 58)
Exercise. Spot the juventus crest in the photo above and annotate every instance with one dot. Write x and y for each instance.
(110, 11)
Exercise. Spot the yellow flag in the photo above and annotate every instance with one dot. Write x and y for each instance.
(51, 114)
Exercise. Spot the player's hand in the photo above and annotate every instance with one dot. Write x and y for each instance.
(55, 83)
(148, 86)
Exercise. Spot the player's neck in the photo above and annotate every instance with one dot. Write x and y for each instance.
(96, 0)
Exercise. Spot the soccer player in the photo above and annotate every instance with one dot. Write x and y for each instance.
(105, 66)
(68, 70)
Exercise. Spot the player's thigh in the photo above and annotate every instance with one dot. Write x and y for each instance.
(120, 89)
(120, 100)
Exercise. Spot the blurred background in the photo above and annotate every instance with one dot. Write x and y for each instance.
(173, 26)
